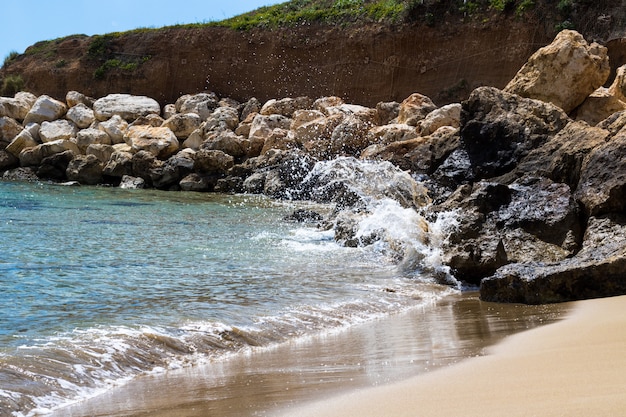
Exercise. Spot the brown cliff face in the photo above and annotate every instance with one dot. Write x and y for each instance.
(363, 64)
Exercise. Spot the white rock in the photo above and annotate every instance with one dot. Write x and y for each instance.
(449, 115)
(194, 141)
(202, 104)
(17, 107)
(33, 129)
(91, 136)
(81, 115)
(127, 106)
(45, 109)
(183, 124)
(73, 98)
(34, 156)
(169, 110)
(58, 129)
(22, 141)
(9, 129)
(116, 128)
(159, 141)
(101, 151)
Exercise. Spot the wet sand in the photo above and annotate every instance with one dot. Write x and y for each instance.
(377, 353)
(576, 367)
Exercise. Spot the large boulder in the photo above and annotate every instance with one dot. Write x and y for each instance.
(602, 185)
(381, 136)
(596, 271)
(17, 107)
(57, 129)
(212, 161)
(228, 142)
(34, 156)
(54, 167)
(23, 140)
(101, 151)
(533, 219)
(9, 129)
(499, 129)
(262, 127)
(561, 157)
(74, 98)
(115, 127)
(419, 154)
(563, 73)
(315, 136)
(171, 172)
(81, 115)
(415, 108)
(8, 161)
(45, 109)
(449, 115)
(86, 169)
(194, 182)
(350, 136)
(203, 104)
(223, 118)
(286, 106)
(183, 124)
(159, 141)
(119, 164)
(126, 106)
(91, 136)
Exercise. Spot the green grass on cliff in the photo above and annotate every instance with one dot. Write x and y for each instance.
(342, 13)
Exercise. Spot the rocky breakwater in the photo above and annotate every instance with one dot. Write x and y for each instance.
(539, 178)
(526, 184)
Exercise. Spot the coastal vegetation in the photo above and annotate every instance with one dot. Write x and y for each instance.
(11, 84)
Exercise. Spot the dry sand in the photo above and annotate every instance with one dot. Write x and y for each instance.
(576, 367)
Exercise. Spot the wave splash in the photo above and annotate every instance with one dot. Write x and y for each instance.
(379, 205)
(375, 208)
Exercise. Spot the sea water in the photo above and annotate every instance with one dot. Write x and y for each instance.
(100, 285)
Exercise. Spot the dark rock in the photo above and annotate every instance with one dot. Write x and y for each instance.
(499, 129)
(596, 271)
(86, 169)
(172, 171)
(561, 157)
(194, 182)
(230, 184)
(602, 186)
(119, 164)
(142, 164)
(213, 161)
(7, 161)
(54, 167)
(422, 154)
(304, 216)
(20, 174)
(533, 219)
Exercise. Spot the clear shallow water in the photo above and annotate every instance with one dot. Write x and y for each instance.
(101, 285)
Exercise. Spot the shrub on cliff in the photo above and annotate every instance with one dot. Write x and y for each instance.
(11, 84)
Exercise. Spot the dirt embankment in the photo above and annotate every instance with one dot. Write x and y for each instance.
(363, 64)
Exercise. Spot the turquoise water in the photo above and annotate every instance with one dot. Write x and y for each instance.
(100, 285)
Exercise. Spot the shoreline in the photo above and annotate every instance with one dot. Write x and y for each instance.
(266, 381)
(573, 367)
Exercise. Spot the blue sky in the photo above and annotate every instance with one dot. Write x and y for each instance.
(24, 22)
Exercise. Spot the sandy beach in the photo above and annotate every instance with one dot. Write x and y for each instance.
(575, 367)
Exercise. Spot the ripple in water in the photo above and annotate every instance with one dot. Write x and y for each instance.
(101, 285)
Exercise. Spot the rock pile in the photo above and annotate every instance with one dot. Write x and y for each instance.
(536, 171)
